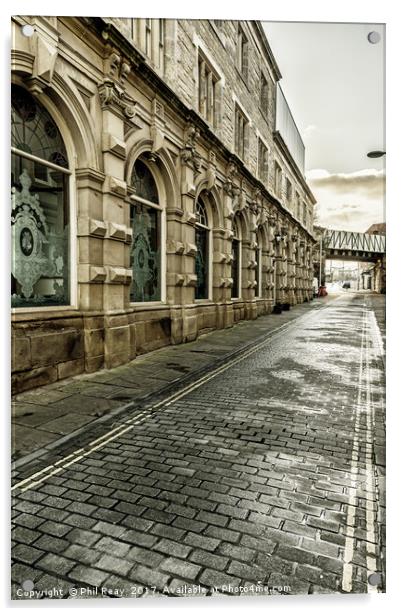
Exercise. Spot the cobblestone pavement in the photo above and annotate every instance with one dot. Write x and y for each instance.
(69, 410)
(264, 476)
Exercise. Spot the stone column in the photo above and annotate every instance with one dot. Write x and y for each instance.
(116, 108)
(230, 198)
(181, 279)
(298, 268)
(292, 268)
(310, 272)
(271, 260)
(279, 264)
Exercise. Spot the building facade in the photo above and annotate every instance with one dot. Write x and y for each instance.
(158, 189)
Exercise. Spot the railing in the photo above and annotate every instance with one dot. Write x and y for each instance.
(357, 242)
(286, 126)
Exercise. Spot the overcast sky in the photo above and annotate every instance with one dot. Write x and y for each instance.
(333, 79)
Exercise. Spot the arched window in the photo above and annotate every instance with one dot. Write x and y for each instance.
(202, 257)
(40, 217)
(258, 271)
(146, 222)
(236, 260)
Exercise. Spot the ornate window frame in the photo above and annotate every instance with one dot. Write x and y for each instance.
(47, 103)
(209, 250)
(262, 159)
(216, 75)
(237, 236)
(241, 130)
(161, 207)
(258, 271)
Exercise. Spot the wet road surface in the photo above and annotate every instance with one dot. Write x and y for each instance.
(264, 477)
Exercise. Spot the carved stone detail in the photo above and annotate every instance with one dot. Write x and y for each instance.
(189, 155)
(175, 280)
(110, 143)
(219, 257)
(45, 55)
(91, 226)
(190, 280)
(118, 275)
(174, 247)
(190, 249)
(117, 232)
(112, 91)
(116, 186)
(231, 172)
(91, 273)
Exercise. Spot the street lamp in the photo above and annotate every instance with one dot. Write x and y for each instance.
(376, 154)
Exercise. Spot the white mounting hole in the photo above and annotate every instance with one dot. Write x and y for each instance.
(28, 30)
(374, 37)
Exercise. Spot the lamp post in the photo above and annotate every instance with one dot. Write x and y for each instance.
(376, 154)
(320, 274)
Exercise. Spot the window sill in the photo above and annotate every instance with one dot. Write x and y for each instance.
(149, 305)
(43, 312)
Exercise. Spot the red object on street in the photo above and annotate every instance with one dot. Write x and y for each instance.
(322, 291)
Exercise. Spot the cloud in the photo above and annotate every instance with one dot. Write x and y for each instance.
(350, 201)
(368, 182)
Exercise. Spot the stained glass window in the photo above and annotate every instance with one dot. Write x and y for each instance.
(257, 272)
(143, 183)
(146, 245)
(236, 259)
(235, 268)
(39, 206)
(145, 254)
(202, 243)
(33, 130)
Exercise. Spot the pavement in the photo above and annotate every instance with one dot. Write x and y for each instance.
(45, 417)
(250, 461)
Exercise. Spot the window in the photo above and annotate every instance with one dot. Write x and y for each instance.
(146, 221)
(289, 191)
(207, 91)
(241, 133)
(262, 161)
(242, 53)
(258, 292)
(264, 95)
(40, 216)
(236, 261)
(149, 34)
(304, 214)
(278, 180)
(148, 38)
(298, 203)
(202, 256)
(161, 43)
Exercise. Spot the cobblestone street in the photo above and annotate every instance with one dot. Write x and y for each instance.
(264, 470)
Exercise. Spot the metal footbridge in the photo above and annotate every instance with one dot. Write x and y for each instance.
(354, 246)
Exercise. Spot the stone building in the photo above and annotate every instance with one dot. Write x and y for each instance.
(158, 189)
(377, 272)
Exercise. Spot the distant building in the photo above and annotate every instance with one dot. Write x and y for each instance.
(377, 228)
(375, 276)
(158, 189)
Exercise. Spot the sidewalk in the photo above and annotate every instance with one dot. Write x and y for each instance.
(63, 412)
